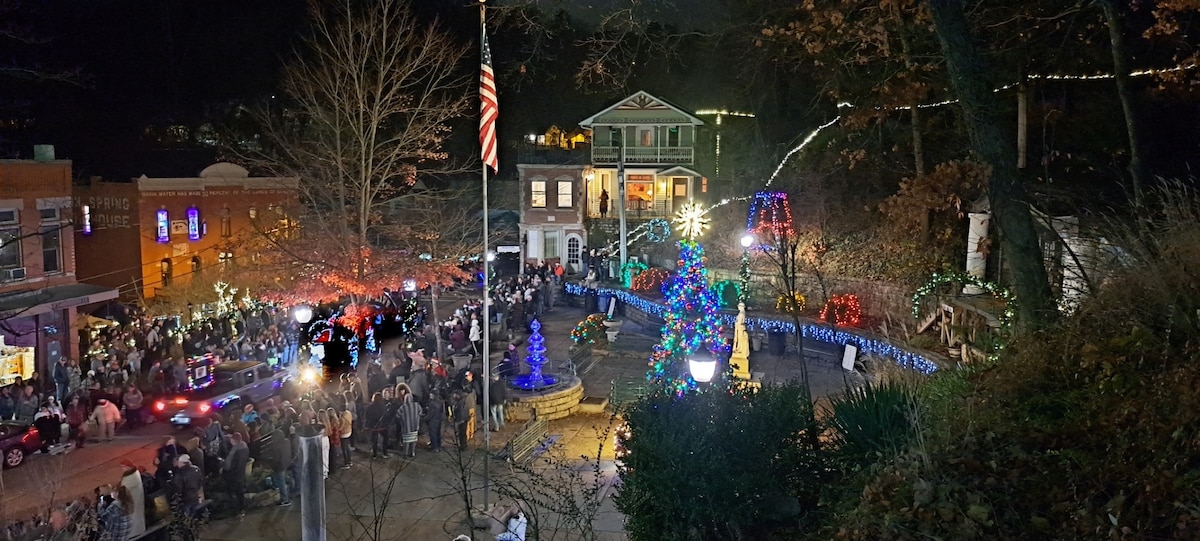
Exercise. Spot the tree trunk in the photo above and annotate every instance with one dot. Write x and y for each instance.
(1133, 126)
(1019, 240)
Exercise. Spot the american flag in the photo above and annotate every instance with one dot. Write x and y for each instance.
(488, 108)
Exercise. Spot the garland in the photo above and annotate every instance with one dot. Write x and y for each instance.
(724, 292)
(631, 269)
(658, 230)
(941, 278)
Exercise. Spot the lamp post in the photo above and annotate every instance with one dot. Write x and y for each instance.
(302, 314)
(702, 370)
(747, 241)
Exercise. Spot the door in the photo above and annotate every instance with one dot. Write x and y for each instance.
(679, 193)
(574, 253)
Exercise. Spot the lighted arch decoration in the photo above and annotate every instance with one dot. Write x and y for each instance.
(631, 269)
(942, 278)
(770, 217)
(658, 230)
(722, 289)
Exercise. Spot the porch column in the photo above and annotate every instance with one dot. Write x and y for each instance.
(976, 260)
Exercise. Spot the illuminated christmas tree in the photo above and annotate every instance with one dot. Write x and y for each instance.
(691, 322)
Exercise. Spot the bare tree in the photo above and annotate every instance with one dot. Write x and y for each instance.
(368, 104)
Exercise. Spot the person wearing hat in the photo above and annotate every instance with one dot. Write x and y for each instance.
(187, 484)
(107, 416)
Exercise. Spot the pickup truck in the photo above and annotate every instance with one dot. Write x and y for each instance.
(234, 383)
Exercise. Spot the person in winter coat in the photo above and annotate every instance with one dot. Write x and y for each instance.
(458, 339)
(408, 417)
(8, 404)
(233, 469)
(187, 486)
(437, 414)
(279, 453)
(77, 415)
(28, 404)
(107, 417)
(418, 384)
(373, 420)
(459, 414)
(62, 379)
(497, 396)
(134, 402)
(475, 336)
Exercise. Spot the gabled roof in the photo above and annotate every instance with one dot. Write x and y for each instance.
(678, 169)
(642, 109)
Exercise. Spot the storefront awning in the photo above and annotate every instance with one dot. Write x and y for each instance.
(40, 301)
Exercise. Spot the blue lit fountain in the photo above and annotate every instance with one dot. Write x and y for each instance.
(535, 380)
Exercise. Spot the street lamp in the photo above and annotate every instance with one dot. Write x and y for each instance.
(747, 241)
(303, 313)
(702, 370)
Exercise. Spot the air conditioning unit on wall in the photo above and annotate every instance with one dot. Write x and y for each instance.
(12, 275)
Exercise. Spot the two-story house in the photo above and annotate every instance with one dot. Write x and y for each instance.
(654, 142)
(39, 295)
(650, 140)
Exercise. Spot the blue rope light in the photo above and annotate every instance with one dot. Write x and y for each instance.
(820, 333)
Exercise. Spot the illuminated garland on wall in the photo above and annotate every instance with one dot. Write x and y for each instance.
(942, 278)
(845, 310)
(650, 280)
(868, 346)
(631, 269)
(723, 293)
(793, 307)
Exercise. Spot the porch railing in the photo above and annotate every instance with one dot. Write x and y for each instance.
(653, 155)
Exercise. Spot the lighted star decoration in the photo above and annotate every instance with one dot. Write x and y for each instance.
(691, 220)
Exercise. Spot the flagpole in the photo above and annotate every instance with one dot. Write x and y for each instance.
(487, 318)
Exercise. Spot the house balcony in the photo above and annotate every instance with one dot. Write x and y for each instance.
(644, 155)
(635, 209)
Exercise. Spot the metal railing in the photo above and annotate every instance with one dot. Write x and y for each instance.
(634, 155)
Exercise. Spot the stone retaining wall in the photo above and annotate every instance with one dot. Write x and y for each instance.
(555, 404)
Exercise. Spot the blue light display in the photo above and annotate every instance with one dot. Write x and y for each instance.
(869, 346)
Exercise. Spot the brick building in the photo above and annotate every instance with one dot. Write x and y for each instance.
(39, 294)
(151, 233)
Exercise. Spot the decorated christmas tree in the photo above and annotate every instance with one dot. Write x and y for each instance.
(691, 327)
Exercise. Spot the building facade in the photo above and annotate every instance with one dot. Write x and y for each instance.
(569, 187)
(153, 233)
(39, 294)
(654, 143)
(551, 216)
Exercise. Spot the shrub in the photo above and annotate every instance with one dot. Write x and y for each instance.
(590, 330)
(874, 420)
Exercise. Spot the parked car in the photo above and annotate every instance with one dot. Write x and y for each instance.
(234, 383)
(17, 441)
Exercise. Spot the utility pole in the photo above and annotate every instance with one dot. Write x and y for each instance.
(624, 244)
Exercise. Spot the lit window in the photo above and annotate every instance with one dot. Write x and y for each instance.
(165, 271)
(645, 137)
(52, 249)
(704, 185)
(197, 267)
(193, 223)
(226, 226)
(565, 192)
(162, 226)
(225, 259)
(537, 198)
(86, 218)
(253, 213)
